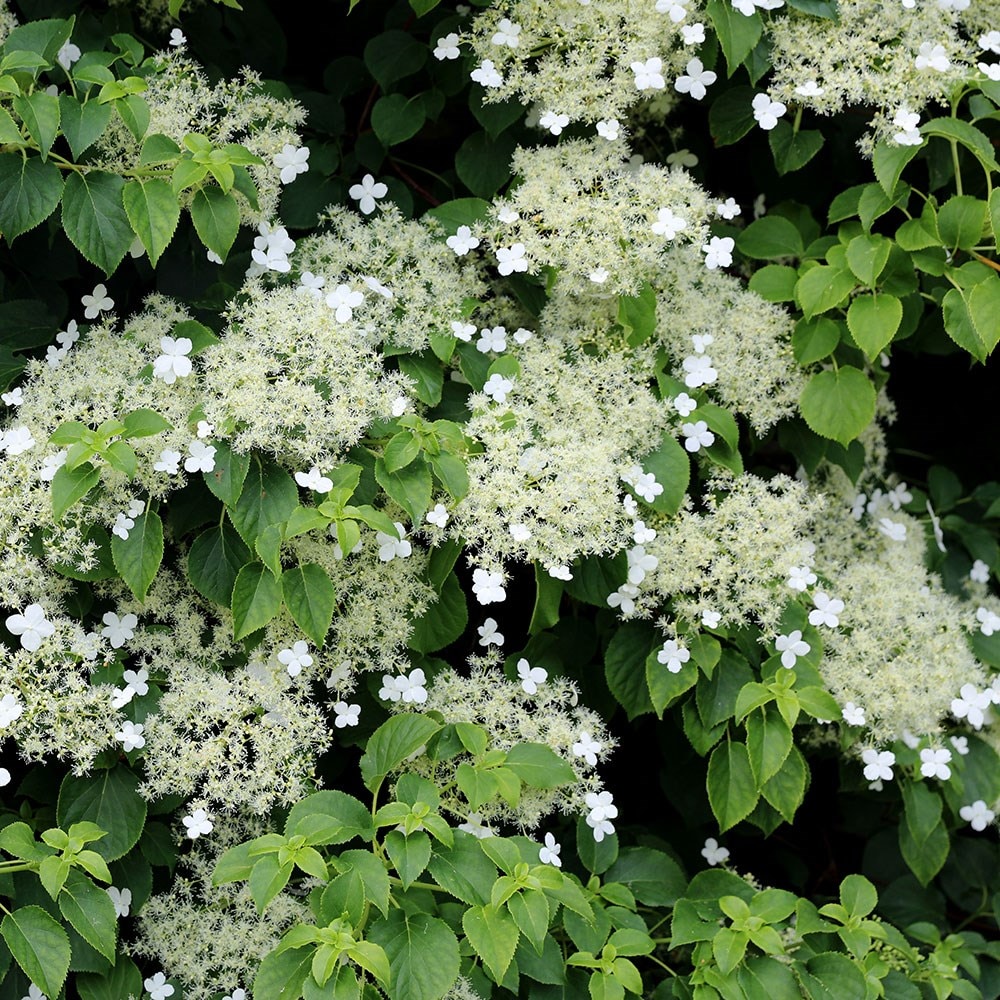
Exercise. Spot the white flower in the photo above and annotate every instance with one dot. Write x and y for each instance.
(602, 811)
(599, 275)
(137, 680)
(895, 530)
(676, 10)
(120, 697)
(347, 715)
(367, 192)
(314, 480)
(51, 464)
(173, 363)
(130, 736)
(97, 302)
(878, 764)
(826, 611)
(989, 621)
(393, 548)
(13, 398)
(205, 429)
(392, 687)
(930, 56)
(696, 80)
(463, 241)
(673, 656)
(343, 300)
(906, 121)
(488, 587)
(899, 495)
(68, 54)
(791, 647)
(168, 462)
(412, 688)
(699, 371)
(727, 209)
(376, 286)
(201, 457)
(800, 577)
(463, 331)
(296, 658)
(649, 74)
(587, 747)
(69, 336)
(519, 532)
(18, 440)
(311, 284)
(667, 224)
(122, 526)
(492, 339)
(713, 853)
(961, 744)
(718, 252)
(549, 854)
(511, 259)
(177, 38)
(853, 714)
(487, 75)
(212, 257)
(697, 436)
(197, 823)
(447, 47)
(934, 763)
(438, 516)
(237, 995)
(766, 111)
(122, 899)
(32, 626)
(54, 356)
(34, 993)
(554, 122)
(506, 214)
(474, 825)
(642, 534)
(980, 572)
(609, 128)
(10, 709)
(702, 341)
(978, 816)
(810, 89)
(639, 564)
(497, 387)
(159, 988)
(507, 33)
(118, 630)
(990, 42)
(488, 633)
(693, 34)
(972, 704)
(530, 676)
(292, 161)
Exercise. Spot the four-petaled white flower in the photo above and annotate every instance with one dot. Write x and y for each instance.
(497, 387)
(463, 331)
(713, 853)
(159, 988)
(69, 336)
(931, 56)
(702, 341)
(411, 688)
(894, 530)
(296, 658)
(530, 676)
(989, 621)
(693, 34)
(118, 630)
(168, 462)
(314, 480)
(978, 816)
(791, 647)
(51, 464)
(174, 362)
(10, 709)
(972, 704)
(519, 532)
(980, 572)
(549, 854)
(609, 128)
(826, 610)
(647, 487)
(137, 680)
(197, 824)
(492, 339)
(205, 429)
(488, 634)
(446, 47)
(121, 898)
(463, 241)
(130, 736)
(727, 209)
(507, 33)
(699, 371)
(697, 436)
(718, 252)
(640, 563)
(393, 548)
(711, 619)
(554, 122)
(201, 457)
(487, 75)
(17, 440)
(878, 764)
(809, 89)
(13, 398)
(649, 74)
(32, 626)
(311, 284)
(800, 577)
(367, 193)
(667, 224)
(676, 10)
(292, 161)
(177, 38)
(68, 54)
(97, 302)
(599, 275)
(488, 587)
(587, 747)
(695, 80)
(34, 993)
(853, 714)
(961, 744)
(934, 763)
(990, 42)
(673, 656)
(474, 825)
(511, 259)
(624, 598)
(766, 111)
(125, 521)
(602, 811)
(642, 534)
(438, 516)
(346, 715)
(343, 300)
(237, 994)
(906, 121)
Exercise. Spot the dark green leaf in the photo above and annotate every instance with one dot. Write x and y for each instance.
(109, 799)
(153, 213)
(256, 599)
(30, 189)
(216, 557)
(216, 218)
(39, 945)
(310, 599)
(94, 217)
(82, 124)
(138, 557)
(732, 790)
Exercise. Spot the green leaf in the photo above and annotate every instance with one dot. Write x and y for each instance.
(493, 934)
(216, 557)
(329, 817)
(775, 282)
(30, 189)
(153, 213)
(961, 220)
(157, 150)
(408, 939)
(123, 980)
(664, 686)
(732, 790)
(94, 217)
(138, 557)
(637, 315)
(267, 879)
(970, 317)
(625, 666)
(409, 487)
(71, 485)
(44, 37)
(737, 34)
(427, 375)
(888, 163)
(9, 132)
(310, 599)
(463, 869)
(793, 150)
(39, 946)
(394, 55)
(838, 404)
(109, 799)
(228, 477)
(671, 465)
(256, 599)
(269, 495)
(392, 743)
(785, 789)
(216, 218)
(91, 913)
(994, 204)
(396, 118)
(539, 766)
(483, 164)
(873, 321)
(823, 287)
(372, 873)
(530, 910)
(548, 597)
(815, 339)
(281, 974)
(40, 113)
(82, 124)
(134, 112)
(867, 256)
(459, 212)
(401, 449)
(967, 135)
(731, 115)
(653, 877)
(769, 741)
(770, 237)
(444, 621)
(409, 855)
(858, 896)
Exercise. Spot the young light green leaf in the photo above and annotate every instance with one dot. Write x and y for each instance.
(82, 124)
(71, 485)
(493, 934)
(408, 938)
(838, 404)
(153, 213)
(39, 946)
(91, 913)
(216, 218)
(392, 743)
(873, 321)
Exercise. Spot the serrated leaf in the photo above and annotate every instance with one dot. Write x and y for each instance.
(109, 799)
(310, 599)
(94, 217)
(82, 124)
(737, 34)
(256, 599)
(793, 150)
(392, 743)
(539, 766)
(91, 913)
(493, 934)
(40, 113)
(867, 255)
(732, 790)
(153, 213)
(71, 485)
(873, 321)
(216, 218)
(30, 190)
(408, 939)
(39, 946)
(138, 557)
(838, 404)
(823, 287)
(214, 561)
